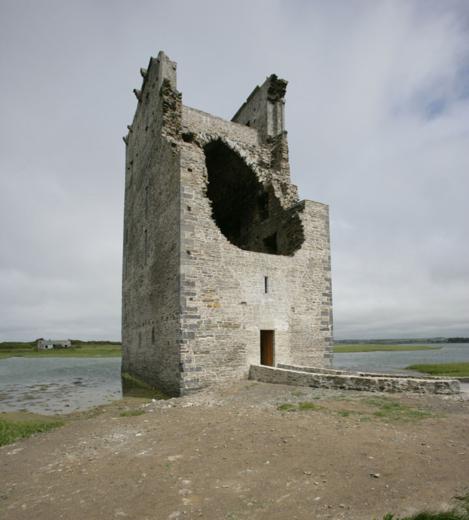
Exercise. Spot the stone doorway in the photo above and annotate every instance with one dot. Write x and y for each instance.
(267, 347)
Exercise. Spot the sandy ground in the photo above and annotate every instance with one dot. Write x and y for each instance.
(232, 454)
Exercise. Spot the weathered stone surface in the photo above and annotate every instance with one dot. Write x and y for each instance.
(217, 245)
(339, 379)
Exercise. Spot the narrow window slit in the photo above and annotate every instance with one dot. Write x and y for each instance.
(146, 201)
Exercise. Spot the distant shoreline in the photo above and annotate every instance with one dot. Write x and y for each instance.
(373, 347)
(402, 341)
(79, 349)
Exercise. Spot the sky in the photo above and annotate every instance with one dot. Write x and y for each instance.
(377, 115)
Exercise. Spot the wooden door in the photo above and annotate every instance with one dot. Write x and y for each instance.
(267, 347)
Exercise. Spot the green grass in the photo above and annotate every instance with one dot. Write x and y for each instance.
(308, 405)
(299, 407)
(443, 369)
(286, 407)
(384, 408)
(8, 345)
(344, 413)
(457, 513)
(131, 413)
(79, 349)
(369, 347)
(12, 430)
(351, 413)
(428, 515)
(134, 387)
(392, 410)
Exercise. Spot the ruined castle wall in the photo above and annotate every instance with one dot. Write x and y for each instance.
(215, 252)
(199, 123)
(264, 108)
(150, 318)
(223, 300)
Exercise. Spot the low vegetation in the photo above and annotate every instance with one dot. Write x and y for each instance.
(457, 513)
(443, 369)
(372, 347)
(134, 387)
(131, 413)
(392, 410)
(299, 407)
(13, 429)
(78, 349)
(308, 405)
(401, 341)
(365, 409)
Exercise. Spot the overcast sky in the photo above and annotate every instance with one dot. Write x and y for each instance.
(378, 120)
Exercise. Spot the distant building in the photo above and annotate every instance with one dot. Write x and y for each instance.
(49, 344)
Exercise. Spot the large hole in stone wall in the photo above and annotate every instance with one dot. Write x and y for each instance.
(249, 215)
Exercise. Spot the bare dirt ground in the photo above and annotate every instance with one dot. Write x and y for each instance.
(232, 454)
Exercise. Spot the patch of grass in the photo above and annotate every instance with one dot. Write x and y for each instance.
(428, 515)
(286, 407)
(131, 413)
(298, 407)
(20, 345)
(308, 405)
(78, 349)
(12, 430)
(134, 387)
(443, 369)
(393, 410)
(348, 413)
(457, 513)
(371, 347)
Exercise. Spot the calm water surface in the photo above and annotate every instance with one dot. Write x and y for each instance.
(398, 361)
(58, 385)
(62, 385)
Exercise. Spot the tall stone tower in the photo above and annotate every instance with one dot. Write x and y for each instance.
(224, 266)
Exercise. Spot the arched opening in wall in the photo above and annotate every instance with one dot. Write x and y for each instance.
(249, 215)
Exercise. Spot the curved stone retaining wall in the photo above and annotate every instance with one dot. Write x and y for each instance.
(308, 376)
(357, 373)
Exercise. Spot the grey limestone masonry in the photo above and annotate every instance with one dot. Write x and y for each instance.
(340, 380)
(331, 371)
(218, 248)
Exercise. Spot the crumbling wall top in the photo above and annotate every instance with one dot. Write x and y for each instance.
(264, 108)
(162, 68)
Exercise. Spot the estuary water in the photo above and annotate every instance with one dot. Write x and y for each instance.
(58, 385)
(63, 385)
(397, 361)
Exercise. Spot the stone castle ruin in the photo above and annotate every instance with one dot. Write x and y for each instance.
(224, 266)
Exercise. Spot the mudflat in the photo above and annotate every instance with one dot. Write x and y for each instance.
(244, 451)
